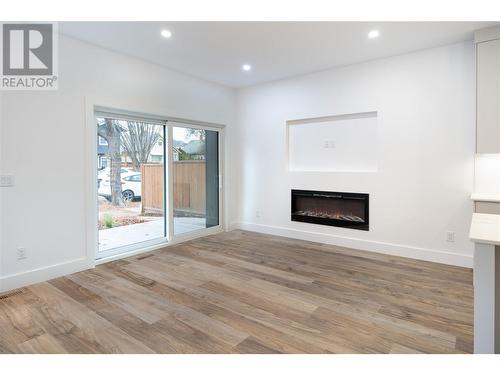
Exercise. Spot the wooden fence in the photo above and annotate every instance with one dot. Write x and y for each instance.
(189, 187)
(152, 188)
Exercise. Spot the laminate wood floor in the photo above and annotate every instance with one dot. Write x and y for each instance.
(242, 292)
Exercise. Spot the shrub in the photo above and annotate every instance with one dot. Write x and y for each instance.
(108, 221)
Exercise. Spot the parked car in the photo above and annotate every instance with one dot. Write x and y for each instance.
(106, 172)
(131, 186)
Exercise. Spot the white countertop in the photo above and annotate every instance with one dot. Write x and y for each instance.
(485, 228)
(485, 197)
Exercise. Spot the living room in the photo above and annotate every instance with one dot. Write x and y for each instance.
(250, 187)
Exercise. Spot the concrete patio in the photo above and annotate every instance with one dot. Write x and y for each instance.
(135, 233)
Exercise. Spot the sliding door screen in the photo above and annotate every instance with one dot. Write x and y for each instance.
(195, 173)
(130, 181)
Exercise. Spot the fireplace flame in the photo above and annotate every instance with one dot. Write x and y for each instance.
(327, 215)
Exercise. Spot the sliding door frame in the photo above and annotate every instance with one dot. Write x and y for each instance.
(94, 106)
(204, 231)
(125, 249)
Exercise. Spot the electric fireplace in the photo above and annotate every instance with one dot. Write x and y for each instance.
(348, 210)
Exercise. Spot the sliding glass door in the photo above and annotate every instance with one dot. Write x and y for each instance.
(130, 183)
(151, 189)
(195, 179)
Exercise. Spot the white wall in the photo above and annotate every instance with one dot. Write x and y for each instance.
(425, 152)
(426, 137)
(42, 144)
(487, 174)
(334, 145)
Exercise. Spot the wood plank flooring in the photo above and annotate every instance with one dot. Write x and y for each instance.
(243, 292)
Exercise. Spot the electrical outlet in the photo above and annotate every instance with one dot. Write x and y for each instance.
(6, 180)
(21, 253)
(257, 214)
(329, 144)
(450, 236)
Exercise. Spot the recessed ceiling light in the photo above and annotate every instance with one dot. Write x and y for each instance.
(166, 34)
(246, 67)
(373, 34)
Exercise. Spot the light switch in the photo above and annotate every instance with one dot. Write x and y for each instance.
(6, 180)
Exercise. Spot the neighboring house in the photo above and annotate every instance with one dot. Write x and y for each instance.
(176, 148)
(195, 149)
(102, 153)
(176, 152)
(156, 155)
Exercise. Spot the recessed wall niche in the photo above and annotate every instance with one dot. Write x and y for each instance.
(340, 143)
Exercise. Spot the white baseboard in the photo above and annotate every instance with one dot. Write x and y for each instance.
(38, 275)
(22, 279)
(179, 239)
(438, 256)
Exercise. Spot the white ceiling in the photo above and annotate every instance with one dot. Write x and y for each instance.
(215, 51)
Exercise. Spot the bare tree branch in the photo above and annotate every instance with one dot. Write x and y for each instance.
(139, 140)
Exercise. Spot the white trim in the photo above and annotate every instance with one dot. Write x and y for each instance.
(431, 255)
(169, 184)
(340, 117)
(91, 199)
(22, 279)
(153, 118)
(223, 180)
(223, 214)
(93, 104)
(179, 239)
(485, 197)
(487, 34)
(125, 116)
(123, 255)
(195, 125)
(130, 248)
(182, 237)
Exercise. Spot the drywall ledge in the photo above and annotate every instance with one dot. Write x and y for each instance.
(409, 183)
(430, 255)
(337, 143)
